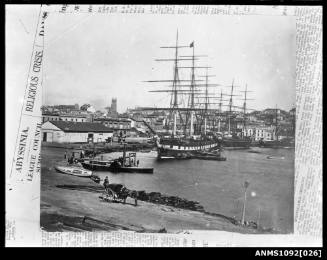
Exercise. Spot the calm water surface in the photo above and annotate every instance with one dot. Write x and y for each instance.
(218, 186)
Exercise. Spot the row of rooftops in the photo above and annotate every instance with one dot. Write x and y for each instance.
(65, 115)
(112, 119)
(100, 119)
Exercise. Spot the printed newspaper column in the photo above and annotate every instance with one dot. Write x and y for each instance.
(308, 150)
(23, 182)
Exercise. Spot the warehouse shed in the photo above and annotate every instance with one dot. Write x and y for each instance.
(75, 132)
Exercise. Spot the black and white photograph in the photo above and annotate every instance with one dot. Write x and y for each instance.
(168, 123)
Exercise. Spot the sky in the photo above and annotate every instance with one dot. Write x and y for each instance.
(94, 58)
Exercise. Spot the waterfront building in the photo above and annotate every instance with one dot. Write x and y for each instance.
(75, 132)
(61, 109)
(258, 133)
(65, 117)
(114, 123)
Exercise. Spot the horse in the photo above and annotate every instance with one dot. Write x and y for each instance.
(120, 192)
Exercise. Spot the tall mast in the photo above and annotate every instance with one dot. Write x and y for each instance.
(175, 103)
(220, 110)
(206, 104)
(192, 91)
(244, 110)
(206, 93)
(276, 123)
(175, 83)
(192, 77)
(204, 115)
(193, 85)
(176, 88)
(220, 102)
(230, 107)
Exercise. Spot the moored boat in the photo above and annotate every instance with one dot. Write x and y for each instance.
(235, 142)
(173, 148)
(72, 170)
(188, 128)
(176, 157)
(114, 166)
(96, 165)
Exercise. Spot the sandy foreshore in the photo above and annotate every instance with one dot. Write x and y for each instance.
(78, 207)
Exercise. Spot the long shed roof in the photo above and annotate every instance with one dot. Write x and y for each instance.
(81, 127)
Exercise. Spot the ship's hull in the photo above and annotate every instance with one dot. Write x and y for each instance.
(116, 169)
(236, 143)
(172, 149)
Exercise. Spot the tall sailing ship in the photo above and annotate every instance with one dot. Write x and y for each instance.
(193, 127)
(188, 132)
(232, 139)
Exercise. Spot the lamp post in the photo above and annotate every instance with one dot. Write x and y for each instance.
(246, 185)
(258, 221)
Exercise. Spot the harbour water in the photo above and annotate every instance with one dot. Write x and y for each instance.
(218, 185)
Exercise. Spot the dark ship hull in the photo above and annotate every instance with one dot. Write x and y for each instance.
(185, 149)
(236, 143)
(116, 168)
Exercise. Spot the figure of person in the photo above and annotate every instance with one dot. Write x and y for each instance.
(65, 156)
(71, 160)
(137, 163)
(121, 160)
(106, 183)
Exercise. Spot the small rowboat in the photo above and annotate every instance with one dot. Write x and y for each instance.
(76, 171)
(167, 158)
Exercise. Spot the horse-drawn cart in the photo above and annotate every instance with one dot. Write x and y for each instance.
(117, 193)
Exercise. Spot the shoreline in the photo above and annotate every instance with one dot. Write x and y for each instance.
(154, 218)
